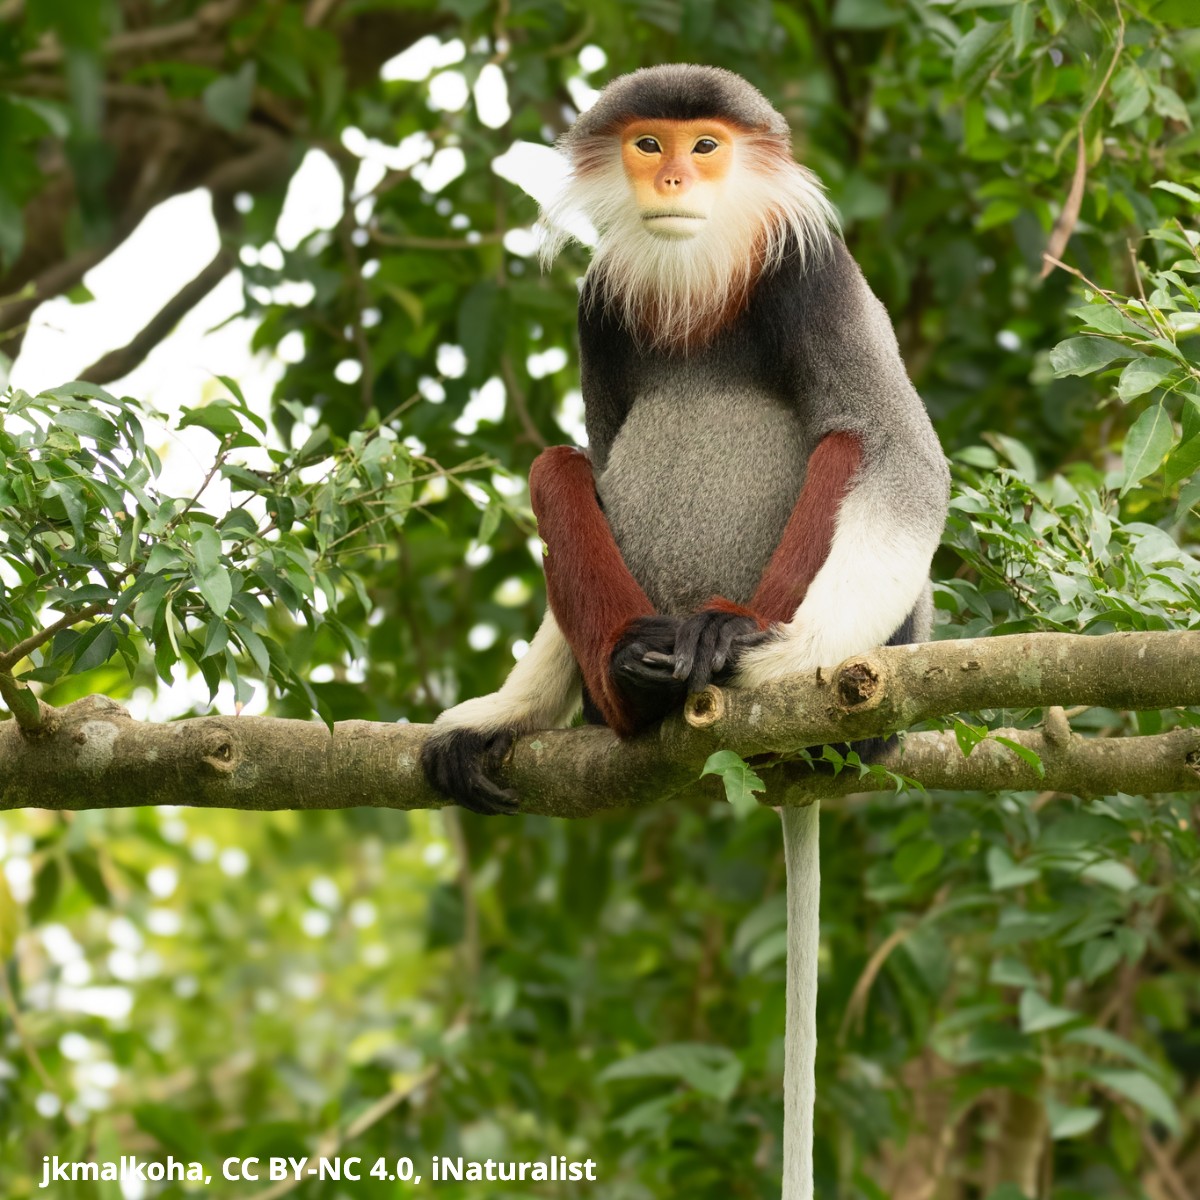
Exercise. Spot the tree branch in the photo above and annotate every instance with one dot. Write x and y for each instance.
(92, 754)
(154, 39)
(119, 362)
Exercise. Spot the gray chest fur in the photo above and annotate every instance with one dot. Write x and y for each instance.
(698, 486)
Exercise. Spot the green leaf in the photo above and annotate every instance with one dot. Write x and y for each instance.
(218, 416)
(1004, 873)
(917, 858)
(489, 522)
(968, 736)
(255, 647)
(94, 648)
(251, 416)
(228, 99)
(46, 885)
(740, 781)
(69, 492)
(865, 14)
(10, 922)
(1071, 1122)
(1083, 355)
(1143, 1091)
(1146, 445)
(1024, 22)
(712, 1070)
(1176, 12)
(482, 327)
(1131, 93)
(1189, 497)
(976, 48)
(1098, 957)
(216, 586)
(1183, 461)
(206, 546)
(90, 424)
(1024, 753)
(86, 868)
(1038, 1014)
(1114, 1044)
(1141, 375)
(1111, 873)
(210, 574)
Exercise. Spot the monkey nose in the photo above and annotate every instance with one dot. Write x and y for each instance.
(673, 180)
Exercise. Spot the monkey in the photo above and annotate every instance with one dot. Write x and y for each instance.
(762, 491)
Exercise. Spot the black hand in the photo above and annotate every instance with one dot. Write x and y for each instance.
(709, 644)
(642, 668)
(458, 764)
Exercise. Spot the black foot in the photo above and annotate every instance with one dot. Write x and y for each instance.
(459, 763)
(709, 644)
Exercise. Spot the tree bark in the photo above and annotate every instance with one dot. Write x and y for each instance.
(92, 754)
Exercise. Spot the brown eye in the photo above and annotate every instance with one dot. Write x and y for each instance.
(704, 146)
(648, 145)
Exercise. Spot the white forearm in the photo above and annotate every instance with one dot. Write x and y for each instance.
(869, 583)
(542, 690)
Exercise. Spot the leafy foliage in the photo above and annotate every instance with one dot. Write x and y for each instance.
(84, 531)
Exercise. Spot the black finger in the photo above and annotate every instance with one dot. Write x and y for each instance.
(686, 641)
(646, 674)
(701, 671)
(657, 658)
(724, 643)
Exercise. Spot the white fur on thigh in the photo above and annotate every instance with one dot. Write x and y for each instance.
(868, 585)
(542, 690)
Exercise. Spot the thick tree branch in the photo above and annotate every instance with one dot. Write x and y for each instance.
(92, 754)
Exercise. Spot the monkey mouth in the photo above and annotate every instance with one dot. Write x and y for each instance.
(673, 224)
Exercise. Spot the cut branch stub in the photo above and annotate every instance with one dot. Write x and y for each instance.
(702, 709)
(860, 684)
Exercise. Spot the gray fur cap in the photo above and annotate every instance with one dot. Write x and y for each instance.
(679, 92)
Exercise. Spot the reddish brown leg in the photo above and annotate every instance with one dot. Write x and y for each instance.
(593, 596)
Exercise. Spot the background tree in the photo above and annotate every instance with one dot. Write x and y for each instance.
(1010, 991)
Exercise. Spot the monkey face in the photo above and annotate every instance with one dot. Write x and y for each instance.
(677, 170)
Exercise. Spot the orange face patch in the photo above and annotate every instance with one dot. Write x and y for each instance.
(674, 167)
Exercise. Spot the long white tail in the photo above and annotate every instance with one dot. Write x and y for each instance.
(801, 853)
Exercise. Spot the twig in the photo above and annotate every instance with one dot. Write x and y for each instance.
(433, 243)
(361, 300)
(1104, 295)
(472, 951)
(857, 1004)
(23, 704)
(13, 655)
(333, 1139)
(501, 42)
(516, 396)
(218, 462)
(1152, 313)
(31, 1052)
(1167, 1170)
(154, 39)
(318, 11)
(1065, 225)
